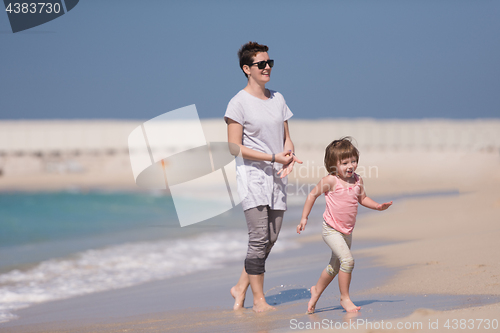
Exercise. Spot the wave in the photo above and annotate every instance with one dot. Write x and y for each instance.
(122, 266)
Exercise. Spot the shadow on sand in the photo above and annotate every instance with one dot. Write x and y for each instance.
(358, 303)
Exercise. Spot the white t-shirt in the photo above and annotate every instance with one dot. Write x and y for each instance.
(263, 130)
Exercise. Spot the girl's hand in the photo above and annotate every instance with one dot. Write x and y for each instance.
(288, 167)
(384, 206)
(302, 225)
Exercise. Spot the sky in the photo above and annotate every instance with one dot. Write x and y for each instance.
(124, 59)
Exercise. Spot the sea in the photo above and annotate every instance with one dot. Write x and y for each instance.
(57, 245)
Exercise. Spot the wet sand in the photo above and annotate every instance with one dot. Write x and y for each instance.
(201, 302)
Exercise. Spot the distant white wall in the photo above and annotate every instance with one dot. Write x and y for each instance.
(101, 136)
(447, 135)
(64, 136)
(370, 134)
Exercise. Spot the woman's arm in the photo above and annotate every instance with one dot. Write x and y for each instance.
(288, 141)
(235, 135)
(324, 185)
(369, 202)
(290, 149)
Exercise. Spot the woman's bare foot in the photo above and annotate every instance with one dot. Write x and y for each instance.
(239, 298)
(311, 306)
(348, 305)
(261, 305)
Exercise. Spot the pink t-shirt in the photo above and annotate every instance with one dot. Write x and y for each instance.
(342, 206)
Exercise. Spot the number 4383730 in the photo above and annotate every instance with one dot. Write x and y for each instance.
(33, 8)
(471, 324)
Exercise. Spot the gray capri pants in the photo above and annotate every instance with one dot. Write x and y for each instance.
(264, 225)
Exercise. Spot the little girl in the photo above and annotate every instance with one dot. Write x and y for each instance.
(343, 190)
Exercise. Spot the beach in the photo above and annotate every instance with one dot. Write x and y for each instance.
(431, 258)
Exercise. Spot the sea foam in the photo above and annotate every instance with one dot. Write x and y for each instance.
(122, 266)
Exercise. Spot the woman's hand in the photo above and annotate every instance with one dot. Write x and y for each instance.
(302, 225)
(283, 157)
(290, 161)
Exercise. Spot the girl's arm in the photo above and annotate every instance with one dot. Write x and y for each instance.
(235, 135)
(325, 185)
(289, 149)
(369, 202)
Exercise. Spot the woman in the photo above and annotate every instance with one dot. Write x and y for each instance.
(256, 120)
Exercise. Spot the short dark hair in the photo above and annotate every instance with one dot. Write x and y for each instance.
(337, 151)
(248, 51)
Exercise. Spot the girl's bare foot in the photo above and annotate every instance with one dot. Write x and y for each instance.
(349, 306)
(239, 298)
(311, 306)
(261, 305)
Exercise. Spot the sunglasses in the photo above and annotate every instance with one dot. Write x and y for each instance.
(262, 64)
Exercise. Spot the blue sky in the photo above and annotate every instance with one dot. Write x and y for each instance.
(123, 59)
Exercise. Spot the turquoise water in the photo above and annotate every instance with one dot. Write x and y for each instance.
(60, 245)
(27, 218)
(40, 226)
